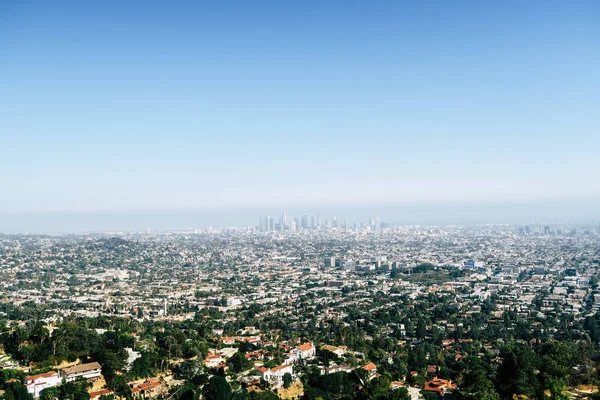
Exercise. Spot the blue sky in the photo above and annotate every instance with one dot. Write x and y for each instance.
(154, 105)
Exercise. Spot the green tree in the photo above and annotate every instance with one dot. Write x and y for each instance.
(16, 391)
(239, 363)
(287, 380)
(217, 388)
(514, 376)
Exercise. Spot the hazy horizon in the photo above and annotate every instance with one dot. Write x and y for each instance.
(583, 214)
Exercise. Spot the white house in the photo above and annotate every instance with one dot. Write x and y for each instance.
(371, 370)
(36, 383)
(305, 351)
(275, 374)
(212, 360)
(132, 355)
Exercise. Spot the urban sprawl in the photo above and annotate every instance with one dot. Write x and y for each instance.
(303, 308)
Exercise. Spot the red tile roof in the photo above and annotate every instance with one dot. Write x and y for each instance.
(280, 367)
(369, 367)
(305, 347)
(96, 395)
(438, 385)
(46, 375)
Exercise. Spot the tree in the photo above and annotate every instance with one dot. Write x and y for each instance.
(477, 386)
(515, 373)
(287, 380)
(239, 363)
(429, 395)
(68, 391)
(9, 374)
(16, 391)
(50, 393)
(111, 363)
(144, 366)
(216, 388)
(188, 370)
(239, 395)
(332, 386)
(421, 329)
(120, 386)
(263, 396)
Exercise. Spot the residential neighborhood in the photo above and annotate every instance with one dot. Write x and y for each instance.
(407, 312)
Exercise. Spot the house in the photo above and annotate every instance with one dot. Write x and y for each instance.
(100, 393)
(36, 383)
(132, 355)
(249, 330)
(439, 386)
(371, 370)
(432, 369)
(212, 360)
(275, 374)
(247, 382)
(305, 351)
(228, 340)
(148, 389)
(254, 355)
(337, 350)
(227, 352)
(81, 371)
(254, 340)
(335, 368)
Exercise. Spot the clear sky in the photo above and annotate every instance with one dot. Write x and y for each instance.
(172, 105)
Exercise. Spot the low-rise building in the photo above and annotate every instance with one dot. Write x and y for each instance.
(36, 383)
(82, 371)
(275, 374)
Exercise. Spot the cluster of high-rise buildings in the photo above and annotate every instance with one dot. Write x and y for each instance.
(268, 224)
(548, 230)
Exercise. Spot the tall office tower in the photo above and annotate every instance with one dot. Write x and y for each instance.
(377, 223)
(346, 224)
(297, 220)
(527, 230)
(372, 222)
(271, 224)
(293, 224)
(283, 221)
(334, 222)
(319, 220)
(305, 221)
(312, 222)
(546, 230)
(263, 224)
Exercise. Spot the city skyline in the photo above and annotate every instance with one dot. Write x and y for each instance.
(267, 223)
(433, 215)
